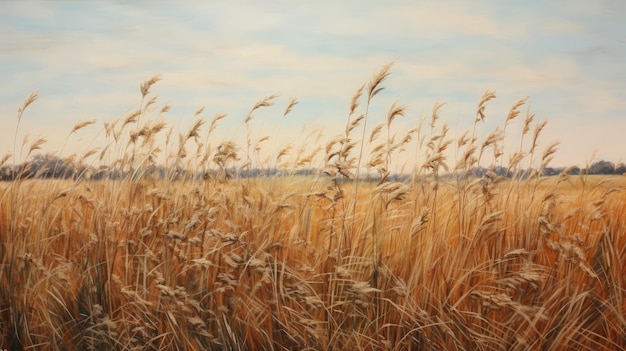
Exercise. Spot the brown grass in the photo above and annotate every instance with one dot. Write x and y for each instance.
(319, 262)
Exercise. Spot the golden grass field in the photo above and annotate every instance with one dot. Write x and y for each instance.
(323, 262)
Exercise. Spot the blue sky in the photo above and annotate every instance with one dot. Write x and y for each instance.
(87, 59)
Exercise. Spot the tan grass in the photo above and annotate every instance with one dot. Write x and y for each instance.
(330, 261)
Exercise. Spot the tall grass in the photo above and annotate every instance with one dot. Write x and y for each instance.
(347, 259)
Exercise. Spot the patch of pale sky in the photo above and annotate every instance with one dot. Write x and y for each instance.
(454, 50)
(439, 20)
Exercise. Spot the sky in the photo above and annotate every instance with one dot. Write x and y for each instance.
(87, 59)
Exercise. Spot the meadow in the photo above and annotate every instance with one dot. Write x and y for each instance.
(203, 257)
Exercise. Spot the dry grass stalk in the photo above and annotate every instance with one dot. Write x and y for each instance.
(482, 104)
(145, 86)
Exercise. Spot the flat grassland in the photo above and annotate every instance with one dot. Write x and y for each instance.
(330, 261)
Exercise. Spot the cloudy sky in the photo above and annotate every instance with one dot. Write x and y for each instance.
(87, 59)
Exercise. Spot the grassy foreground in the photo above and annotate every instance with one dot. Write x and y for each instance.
(322, 263)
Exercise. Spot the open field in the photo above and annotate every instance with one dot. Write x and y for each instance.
(274, 264)
(317, 262)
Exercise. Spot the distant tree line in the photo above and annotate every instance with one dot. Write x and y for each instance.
(46, 166)
(599, 167)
